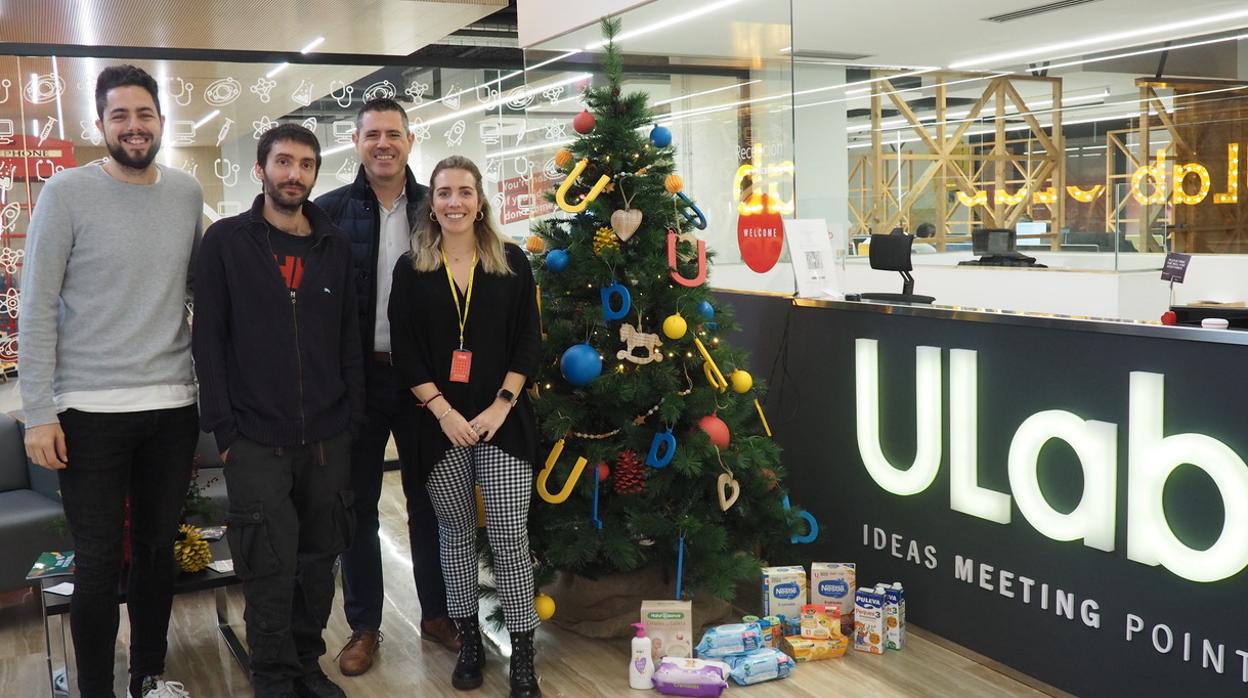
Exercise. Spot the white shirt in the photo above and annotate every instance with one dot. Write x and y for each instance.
(110, 400)
(395, 240)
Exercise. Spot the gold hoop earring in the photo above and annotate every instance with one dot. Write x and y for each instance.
(433, 216)
(480, 215)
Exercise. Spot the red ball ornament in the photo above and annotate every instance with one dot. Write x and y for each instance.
(1169, 318)
(716, 429)
(603, 472)
(584, 122)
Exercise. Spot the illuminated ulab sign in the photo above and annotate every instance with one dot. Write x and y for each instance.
(1152, 457)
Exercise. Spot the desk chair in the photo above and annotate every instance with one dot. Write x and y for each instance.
(892, 253)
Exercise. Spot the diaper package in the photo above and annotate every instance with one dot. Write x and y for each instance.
(771, 632)
(759, 666)
(681, 676)
(725, 640)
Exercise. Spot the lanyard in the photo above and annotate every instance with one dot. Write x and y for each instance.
(461, 314)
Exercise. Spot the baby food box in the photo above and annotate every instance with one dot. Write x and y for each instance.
(669, 625)
(803, 649)
(869, 621)
(834, 583)
(820, 622)
(784, 591)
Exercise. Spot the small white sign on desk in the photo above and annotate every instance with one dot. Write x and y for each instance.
(817, 251)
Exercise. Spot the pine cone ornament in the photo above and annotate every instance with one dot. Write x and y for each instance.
(630, 473)
(605, 238)
(191, 550)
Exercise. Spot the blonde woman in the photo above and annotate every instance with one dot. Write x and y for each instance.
(465, 339)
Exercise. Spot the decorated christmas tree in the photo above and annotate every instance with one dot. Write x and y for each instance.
(659, 450)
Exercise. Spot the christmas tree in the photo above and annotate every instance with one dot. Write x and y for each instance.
(678, 466)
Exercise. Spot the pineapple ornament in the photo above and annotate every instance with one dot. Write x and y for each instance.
(630, 473)
(191, 550)
(604, 239)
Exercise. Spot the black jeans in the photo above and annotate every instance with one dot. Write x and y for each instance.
(148, 456)
(290, 517)
(391, 409)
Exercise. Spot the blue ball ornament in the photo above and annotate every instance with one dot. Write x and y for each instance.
(661, 136)
(706, 310)
(580, 364)
(557, 260)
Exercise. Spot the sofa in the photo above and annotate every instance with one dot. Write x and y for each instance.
(31, 520)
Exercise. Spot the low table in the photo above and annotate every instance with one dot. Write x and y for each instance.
(56, 609)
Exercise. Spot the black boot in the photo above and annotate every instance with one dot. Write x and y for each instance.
(467, 674)
(523, 678)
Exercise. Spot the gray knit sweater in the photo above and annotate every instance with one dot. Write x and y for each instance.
(105, 284)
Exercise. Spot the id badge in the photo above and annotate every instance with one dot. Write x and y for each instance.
(461, 365)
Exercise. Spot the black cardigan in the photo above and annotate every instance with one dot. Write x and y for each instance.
(502, 334)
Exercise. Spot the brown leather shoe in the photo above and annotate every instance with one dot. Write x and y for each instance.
(356, 657)
(441, 631)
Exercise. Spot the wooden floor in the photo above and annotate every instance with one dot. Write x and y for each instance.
(570, 666)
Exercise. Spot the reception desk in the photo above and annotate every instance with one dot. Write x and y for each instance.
(1067, 497)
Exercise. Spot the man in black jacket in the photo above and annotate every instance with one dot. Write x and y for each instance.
(377, 212)
(281, 385)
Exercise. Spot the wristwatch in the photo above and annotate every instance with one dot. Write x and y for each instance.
(507, 396)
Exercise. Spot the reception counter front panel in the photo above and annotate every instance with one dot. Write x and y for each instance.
(1067, 497)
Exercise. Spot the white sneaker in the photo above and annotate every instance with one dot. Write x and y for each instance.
(167, 689)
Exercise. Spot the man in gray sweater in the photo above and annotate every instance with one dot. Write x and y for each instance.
(106, 380)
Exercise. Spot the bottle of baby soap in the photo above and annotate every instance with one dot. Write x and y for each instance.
(641, 665)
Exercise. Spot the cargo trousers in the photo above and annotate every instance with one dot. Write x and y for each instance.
(291, 514)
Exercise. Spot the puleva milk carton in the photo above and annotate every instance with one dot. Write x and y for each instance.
(784, 591)
(869, 621)
(669, 625)
(894, 617)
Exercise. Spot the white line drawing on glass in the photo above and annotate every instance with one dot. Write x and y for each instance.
(226, 171)
(182, 132)
(380, 90)
(10, 258)
(497, 200)
(552, 171)
(52, 169)
(492, 169)
(228, 208)
(519, 98)
(524, 203)
(485, 93)
(455, 134)
(5, 84)
(303, 93)
(251, 172)
(190, 166)
(223, 92)
(259, 126)
(342, 131)
(7, 129)
(264, 88)
(416, 91)
(420, 131)
(6, 177)
(310, 123)
(452, 97)
(346, 173)
(225, 130)
(523, 167)
(12, 302)
(182, 95)
(556, 130)
(8, 217)
(488, 132)
(551, 94)
(89, 133)
(43, 88)
(47, 129)
(342, 93)
(8, 348)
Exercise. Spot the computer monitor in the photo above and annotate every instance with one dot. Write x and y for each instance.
(992, 242)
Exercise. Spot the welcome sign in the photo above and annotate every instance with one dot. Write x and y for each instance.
(1061, 496)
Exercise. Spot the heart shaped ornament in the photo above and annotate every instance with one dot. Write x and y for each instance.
(724, 485)
(625, 222)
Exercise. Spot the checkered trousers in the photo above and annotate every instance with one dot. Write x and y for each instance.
(506, 485)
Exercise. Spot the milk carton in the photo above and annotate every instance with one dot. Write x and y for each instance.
(833, 584)
(869, 620)
(894, 617)
(669, 625)
(784, 591)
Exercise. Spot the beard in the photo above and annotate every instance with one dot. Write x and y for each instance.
(117, 151)
(282, 199)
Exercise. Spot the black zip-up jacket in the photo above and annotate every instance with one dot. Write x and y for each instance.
(280, 367)
(354, 209)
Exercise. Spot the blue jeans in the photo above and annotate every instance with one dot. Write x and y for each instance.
(148, 456)
(390, 408)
